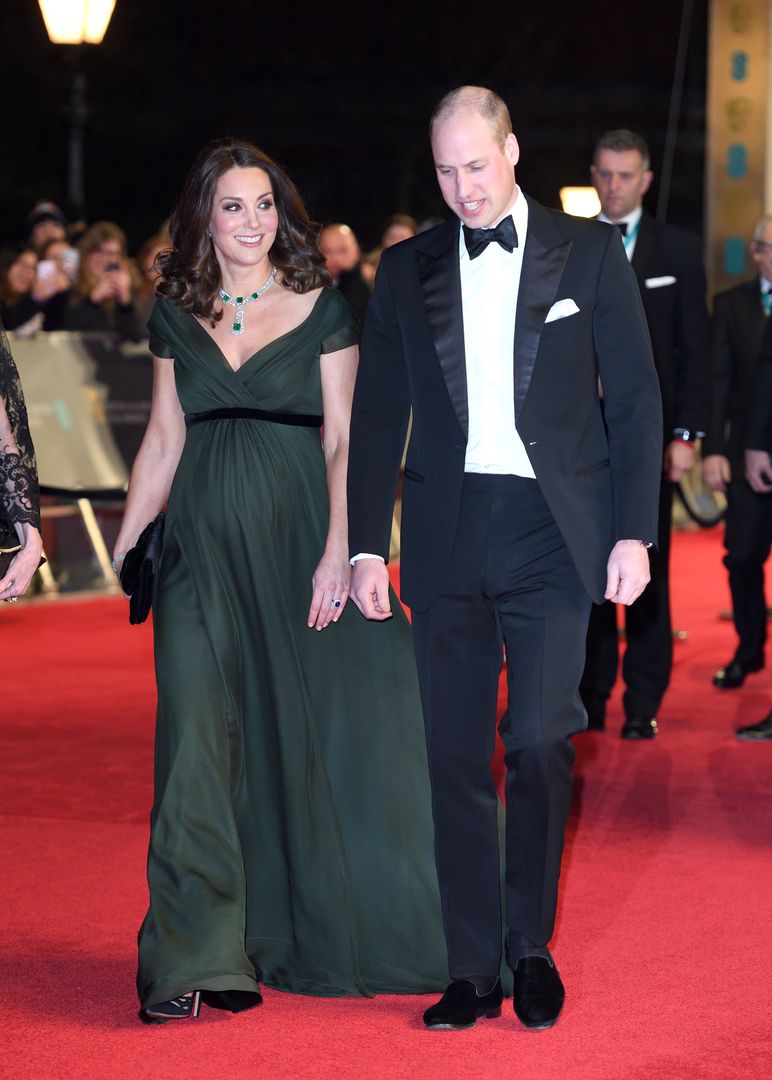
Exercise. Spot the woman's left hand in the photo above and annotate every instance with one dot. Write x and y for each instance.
(331, 584)
(23, 566)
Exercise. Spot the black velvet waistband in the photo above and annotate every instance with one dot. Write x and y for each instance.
(295, 419)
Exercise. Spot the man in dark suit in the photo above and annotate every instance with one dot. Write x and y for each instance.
(668, 265)
(519, 506)
(739, 317)
(758, 472)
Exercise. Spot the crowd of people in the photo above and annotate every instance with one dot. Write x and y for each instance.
(558, 377)
(70, 276)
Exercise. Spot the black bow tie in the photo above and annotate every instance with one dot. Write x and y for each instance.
(477, 240)
(622, 226)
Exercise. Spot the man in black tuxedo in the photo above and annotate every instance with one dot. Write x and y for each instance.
(668, 266)
(519, 506)
(758, 472)
(739, 317)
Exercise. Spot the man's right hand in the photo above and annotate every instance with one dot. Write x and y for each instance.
(370, 588)
(758, 471)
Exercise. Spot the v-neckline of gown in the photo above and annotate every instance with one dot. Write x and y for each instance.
(268, 344)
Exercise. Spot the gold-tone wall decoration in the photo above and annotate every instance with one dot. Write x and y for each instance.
(737, 144)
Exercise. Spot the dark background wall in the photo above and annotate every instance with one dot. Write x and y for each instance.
(340, 93)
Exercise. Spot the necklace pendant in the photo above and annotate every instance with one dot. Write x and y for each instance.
(238, 318)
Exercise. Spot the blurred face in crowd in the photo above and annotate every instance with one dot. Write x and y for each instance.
(475, 172)
(48, 229)
(21, 273)
(340, 248)
(244, 218)
(761, 252)
(621, 181)
(395, 233)
(105, 258)
(65, 256)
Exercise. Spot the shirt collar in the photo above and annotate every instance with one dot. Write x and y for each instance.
(631, 219)
(519, 213)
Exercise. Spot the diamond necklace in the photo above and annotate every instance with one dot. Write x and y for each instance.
(240, 302)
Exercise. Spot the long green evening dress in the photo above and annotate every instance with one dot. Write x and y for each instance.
(291, 834)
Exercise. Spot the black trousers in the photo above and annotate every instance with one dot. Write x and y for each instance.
(747, 539)
(648, 659)
(510, 582)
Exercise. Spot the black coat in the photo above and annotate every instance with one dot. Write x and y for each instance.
(677, 318)
(737, 332)
(758, 434)
(600, 481)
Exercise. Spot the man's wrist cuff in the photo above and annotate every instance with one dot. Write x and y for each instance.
(366, 555)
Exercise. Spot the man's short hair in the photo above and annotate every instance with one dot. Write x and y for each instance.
(475, 99)
(761, 224)
(622, 139)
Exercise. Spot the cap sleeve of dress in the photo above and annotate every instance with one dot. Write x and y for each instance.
(340, 328)
(156, 326)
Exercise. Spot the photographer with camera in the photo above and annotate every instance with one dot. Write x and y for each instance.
(103, 295)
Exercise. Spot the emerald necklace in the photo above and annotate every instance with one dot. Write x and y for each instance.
(240, 302)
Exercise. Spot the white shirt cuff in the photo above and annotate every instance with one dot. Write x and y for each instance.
(366, 555)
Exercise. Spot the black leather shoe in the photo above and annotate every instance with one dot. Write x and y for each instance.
(733, 675)
(538, 993)
(757, 732)
(639, 727)
(461, 1007)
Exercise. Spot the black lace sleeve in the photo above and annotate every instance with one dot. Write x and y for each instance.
(19, 497)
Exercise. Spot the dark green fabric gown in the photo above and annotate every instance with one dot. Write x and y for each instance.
(291, 835)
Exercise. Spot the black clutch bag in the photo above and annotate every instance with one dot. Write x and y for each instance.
(140, 566)
(10, 546)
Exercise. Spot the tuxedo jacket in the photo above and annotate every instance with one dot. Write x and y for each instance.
(758, 433)
(737, 331)
(668, 264)
(601, 481)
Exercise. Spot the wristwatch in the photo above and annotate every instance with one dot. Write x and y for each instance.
(686, 435)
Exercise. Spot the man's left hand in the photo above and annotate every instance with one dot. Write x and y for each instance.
(679, 458)
(628, 571)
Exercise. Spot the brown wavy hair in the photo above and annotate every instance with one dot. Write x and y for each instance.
(190, 271)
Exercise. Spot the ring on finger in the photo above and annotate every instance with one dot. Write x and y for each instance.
(336, 603)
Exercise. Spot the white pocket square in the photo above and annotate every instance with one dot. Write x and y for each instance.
(561, 309)
(658, 282)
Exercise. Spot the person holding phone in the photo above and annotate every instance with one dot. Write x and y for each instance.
(103, 296)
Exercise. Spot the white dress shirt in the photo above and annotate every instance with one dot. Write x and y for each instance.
(489, 289)
(633, 221)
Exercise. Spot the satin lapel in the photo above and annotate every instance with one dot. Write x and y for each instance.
(544, 260)
(440, 278)
(643, 245)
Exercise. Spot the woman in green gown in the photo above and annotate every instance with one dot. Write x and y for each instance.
(291, 837)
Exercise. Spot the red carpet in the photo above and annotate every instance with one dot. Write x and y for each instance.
(664, 937)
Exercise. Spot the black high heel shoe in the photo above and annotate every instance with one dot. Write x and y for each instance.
(185, 1007)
